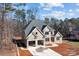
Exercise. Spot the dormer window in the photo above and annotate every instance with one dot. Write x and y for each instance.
(46, 33)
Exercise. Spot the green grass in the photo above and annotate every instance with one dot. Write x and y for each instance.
(74, 43)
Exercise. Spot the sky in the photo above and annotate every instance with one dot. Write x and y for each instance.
(56, 10)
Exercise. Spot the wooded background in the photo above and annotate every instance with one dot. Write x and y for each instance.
(13, 20)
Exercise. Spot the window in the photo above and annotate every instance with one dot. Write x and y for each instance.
(36, 33)
(46, 33)
(35, 36)
(58, 38)
(46, 39)
(52, 33)
(52, 39)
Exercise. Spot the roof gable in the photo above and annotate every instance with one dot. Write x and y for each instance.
(50, 29)
(59, 34)
(34, 23)
(37, 30)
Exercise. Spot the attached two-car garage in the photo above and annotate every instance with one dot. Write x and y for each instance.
(35, 43)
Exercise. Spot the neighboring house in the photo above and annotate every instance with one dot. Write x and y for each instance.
(38, 33)
(74, 35)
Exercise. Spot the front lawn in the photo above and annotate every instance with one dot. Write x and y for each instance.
(74, 43)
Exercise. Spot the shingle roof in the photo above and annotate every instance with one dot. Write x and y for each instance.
(43, 27)
(47, 27)
(34, 23)
(32, 29)
(50, 28)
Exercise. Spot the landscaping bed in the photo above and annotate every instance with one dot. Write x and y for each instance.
(24, 52)
(66, 50)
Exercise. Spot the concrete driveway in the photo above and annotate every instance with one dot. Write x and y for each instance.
(42, 51)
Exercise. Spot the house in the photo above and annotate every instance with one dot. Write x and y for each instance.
(75, 34)
(38, 33)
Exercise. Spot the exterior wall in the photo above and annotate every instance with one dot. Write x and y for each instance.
(60, 39)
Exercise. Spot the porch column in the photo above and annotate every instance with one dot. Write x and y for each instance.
(44, 41)
(36, 43)
(55, 39)
(50, 37)
(61, 40)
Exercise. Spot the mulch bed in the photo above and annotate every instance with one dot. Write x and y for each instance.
(24, 53)
(66, 49)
